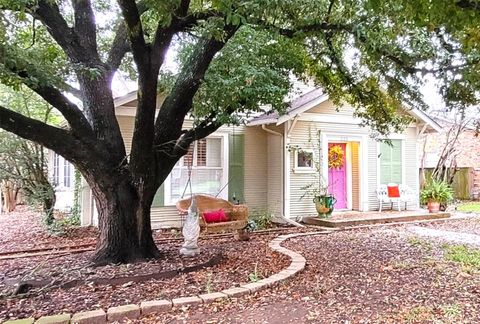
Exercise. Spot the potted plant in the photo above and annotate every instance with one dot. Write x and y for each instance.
(435, 193)
(321, 198)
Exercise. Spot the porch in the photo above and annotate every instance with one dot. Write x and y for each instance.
(355, 218)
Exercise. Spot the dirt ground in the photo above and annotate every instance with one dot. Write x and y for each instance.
(377, 275)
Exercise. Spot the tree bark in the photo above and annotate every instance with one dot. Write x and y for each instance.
(124, 224)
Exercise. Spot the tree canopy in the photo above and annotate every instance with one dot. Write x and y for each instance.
(235, 57)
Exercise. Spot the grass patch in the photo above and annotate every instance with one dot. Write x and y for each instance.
(423, 244)
(466, 256)
(419, 314)
(452, 311)
(471, 207)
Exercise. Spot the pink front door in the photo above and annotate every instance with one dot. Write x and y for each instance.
(337, 179)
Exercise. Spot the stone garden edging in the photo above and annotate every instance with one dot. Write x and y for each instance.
(133, 311)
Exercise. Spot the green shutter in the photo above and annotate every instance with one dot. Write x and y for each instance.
(158, 200)
(391, 162)
(236, 171)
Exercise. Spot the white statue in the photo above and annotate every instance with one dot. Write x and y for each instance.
(191, 231)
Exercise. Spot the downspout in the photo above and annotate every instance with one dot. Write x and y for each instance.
(283, 156)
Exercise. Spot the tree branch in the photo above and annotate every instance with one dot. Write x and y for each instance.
(68, 109)
(134, 30)
(85, 27)
(57, 139)
(204, 129)
(179, 102)
(120, 45)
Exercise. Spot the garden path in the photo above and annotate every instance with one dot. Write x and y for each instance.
(450, 236)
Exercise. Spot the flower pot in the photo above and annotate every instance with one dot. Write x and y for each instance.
(433, 206)
(324, 205)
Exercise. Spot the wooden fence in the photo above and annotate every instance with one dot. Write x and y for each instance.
(462, 182)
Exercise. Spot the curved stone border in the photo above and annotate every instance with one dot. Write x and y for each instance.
(133, 311)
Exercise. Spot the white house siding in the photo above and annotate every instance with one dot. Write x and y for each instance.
(411, 162)
(167, 216)
(372, 174)
(328, 107)
(275, 174)
(304, 134)
(256, 168)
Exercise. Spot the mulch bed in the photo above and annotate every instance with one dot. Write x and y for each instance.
(23, 230)
(237, 263)
(362, 276)
(228, 263)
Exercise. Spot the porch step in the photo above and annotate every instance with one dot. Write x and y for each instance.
(380, 219)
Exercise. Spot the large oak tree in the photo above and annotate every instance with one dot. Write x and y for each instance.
(234, 57)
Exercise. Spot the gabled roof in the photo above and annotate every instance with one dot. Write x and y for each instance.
(315, 97)
(119, 101)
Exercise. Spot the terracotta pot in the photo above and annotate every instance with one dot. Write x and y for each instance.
(433, 207)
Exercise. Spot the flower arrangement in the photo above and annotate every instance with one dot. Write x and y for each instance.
(335, 157)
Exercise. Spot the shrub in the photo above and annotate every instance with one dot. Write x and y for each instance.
(437, 191)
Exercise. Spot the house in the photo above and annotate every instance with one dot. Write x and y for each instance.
(61, 175)
(464, 155)
(266, 162)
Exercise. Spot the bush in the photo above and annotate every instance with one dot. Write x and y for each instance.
(436, 191)
(261, 218)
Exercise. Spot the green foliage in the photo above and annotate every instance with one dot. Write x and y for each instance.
(77, 196)
(417, 242)
(261, 218)
(471, 207)
(208, 284)
(466, 256)
(24, 162)
(371, 54)
(436, 191)
(452, 311)
(255, 275)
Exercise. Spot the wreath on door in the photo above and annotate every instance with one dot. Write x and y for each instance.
(335, 157)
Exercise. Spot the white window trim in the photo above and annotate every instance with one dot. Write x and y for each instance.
(60, 187)
(225, 166)
(306, 169)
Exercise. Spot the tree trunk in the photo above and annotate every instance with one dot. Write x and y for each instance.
(9, 201)
(124, 225)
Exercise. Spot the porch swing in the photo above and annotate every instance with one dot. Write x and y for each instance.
(236, 214)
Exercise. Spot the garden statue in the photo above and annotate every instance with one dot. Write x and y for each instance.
(191, 231)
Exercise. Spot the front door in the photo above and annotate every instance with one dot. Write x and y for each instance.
(337, 175)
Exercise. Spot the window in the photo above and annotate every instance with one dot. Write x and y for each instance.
(391, 162)
(62, 172)
(56, 169)
(206, 157)
(304, 160)
(67, 178)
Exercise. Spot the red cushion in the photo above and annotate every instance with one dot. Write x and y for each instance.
(393, 191)
(215, 216)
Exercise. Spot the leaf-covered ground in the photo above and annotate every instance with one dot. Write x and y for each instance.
(237, 266)
(378, 275)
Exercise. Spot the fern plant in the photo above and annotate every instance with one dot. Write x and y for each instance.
(436, 191)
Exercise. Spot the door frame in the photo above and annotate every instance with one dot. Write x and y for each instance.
(362, 140)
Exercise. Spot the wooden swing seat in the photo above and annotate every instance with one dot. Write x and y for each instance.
(237, 214)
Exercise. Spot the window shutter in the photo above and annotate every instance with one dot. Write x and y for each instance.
(158, 200)
(391, 162)
(236, 170)
(396, 163)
